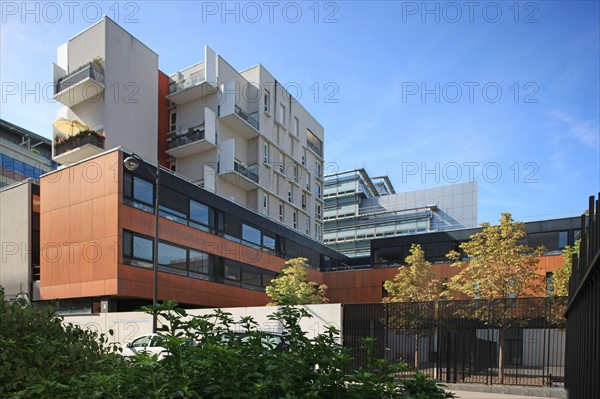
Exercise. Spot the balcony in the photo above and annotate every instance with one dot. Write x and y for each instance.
(242, 175)
(71, 149)
(191, 88)
(194, 141)
(83, 84)
(316, 149)
(241, 122)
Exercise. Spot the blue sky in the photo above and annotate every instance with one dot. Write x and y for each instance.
(429, 93)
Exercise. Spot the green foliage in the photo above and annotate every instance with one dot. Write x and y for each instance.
(416, 282)
(421, 387)
(293, 288)
(207, 358)
(563, 274)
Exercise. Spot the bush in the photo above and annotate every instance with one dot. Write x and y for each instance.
(40, 358)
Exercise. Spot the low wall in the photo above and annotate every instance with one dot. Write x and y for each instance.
(129, 325)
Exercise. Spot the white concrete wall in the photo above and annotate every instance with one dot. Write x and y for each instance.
(15, 239)
(129, 325)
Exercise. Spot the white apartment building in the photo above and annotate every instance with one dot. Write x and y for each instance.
(239, 134)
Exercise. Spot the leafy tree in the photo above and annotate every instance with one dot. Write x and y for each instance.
(500, 268)
(293, 288)
(413, 283)
(562, 275)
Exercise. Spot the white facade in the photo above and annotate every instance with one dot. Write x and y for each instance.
(108, 81)
(244, 137)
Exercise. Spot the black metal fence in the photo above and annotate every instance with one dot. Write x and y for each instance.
(460, 341)
(583, 312)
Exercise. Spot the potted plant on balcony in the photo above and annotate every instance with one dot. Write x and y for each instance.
(64, 142)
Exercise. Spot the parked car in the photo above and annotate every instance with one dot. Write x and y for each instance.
(148, 344)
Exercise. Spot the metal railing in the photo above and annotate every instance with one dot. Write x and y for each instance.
(82, 139)
(583, 314)
(89, 70)
(247, 171)
(175, 139)
(247, 117)
(459, 341)
(187, 83)
(314, 147)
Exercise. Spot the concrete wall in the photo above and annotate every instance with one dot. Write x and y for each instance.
(15, 239)
(129, 325)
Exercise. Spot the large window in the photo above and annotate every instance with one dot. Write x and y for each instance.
(174, 259)
(201, 216)
(137, 249)
(251, 235)
(200, 265)
(139, 191)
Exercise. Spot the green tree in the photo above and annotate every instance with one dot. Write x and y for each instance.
(499, 267)
(413, 283)
(562, 275)
(293, 288)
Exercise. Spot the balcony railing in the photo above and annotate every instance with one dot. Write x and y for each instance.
(187, 83)
(81, 139)
(89, 70)
(248, 171)
(245, 116)
(314, 147)
(194, 134)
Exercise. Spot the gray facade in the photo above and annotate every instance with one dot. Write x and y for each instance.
(359, 208)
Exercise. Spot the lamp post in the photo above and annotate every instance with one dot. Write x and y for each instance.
(131, 163)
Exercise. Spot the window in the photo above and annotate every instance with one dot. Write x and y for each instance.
(137, 248)
(174, 259)
(173, 122)
(296, 127)
(282, 114)
(295, 220)
(232, 271)
(296, 173)
(303, 156)
(267, 101)
(281, 212)
(199, 265)
(251, 278)
(201, 216)
(318, 169)
(290, 193)
(307, 181)
(307, 225)
(318, 211)
(266, 153)
(265, 204)
(318, 190)
(281, 162)
(303, 201)
(318, 231)
(138, 189)
(251, 234)
(269, 241)
(563, 239)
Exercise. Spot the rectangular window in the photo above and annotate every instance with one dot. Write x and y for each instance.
(318, 190)
(200, 265)
(265, 153)
(174, 259)
(307, 225)
(296, 127)
(269, 241)
(232, 270)
(307, 181)
(137, 250)
(201, 216)
(251, 234)
(318, 169)
(251, 278)
(314, 143)
(563, 239)
(304, 157)
(295, 220)
(290, 193)
(281, 212)
(303, 201)
(267, 101)
(139, 190)
(282, 114)
(173, 122)
(265, 205)
(318, 231)
(296, 173)
(318, 211)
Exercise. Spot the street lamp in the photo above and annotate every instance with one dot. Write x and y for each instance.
(131, 163)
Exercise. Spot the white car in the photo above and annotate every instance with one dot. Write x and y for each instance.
(149, 344)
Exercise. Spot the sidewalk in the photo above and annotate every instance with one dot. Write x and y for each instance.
(487, 395)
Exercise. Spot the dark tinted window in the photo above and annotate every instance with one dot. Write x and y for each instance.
(172, 256)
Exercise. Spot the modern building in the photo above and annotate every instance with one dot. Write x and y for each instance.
(359, 208)
(23, 154)
(97, 238)
(240, 135)
(20, 239)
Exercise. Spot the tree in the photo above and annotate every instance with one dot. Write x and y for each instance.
(293, 288)
(413, 283)
(562, 275)
(500, 268)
